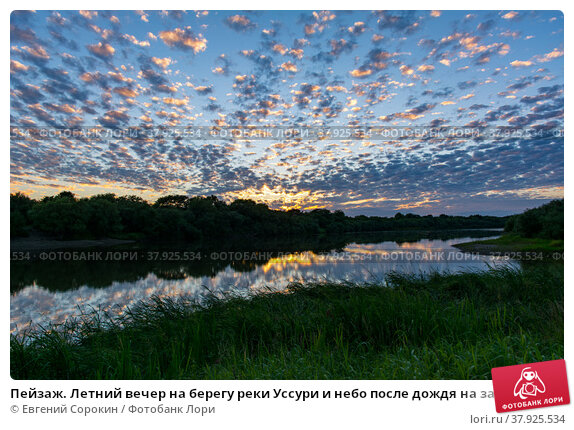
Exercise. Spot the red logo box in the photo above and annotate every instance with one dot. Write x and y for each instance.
(529, 386)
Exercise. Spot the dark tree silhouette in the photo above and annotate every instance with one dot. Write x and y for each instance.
(180, 217)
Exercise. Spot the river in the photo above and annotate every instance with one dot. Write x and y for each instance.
(66, 283)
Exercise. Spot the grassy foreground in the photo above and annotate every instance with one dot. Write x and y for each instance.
(444, 326)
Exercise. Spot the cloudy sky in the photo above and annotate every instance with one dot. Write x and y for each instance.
(210, 70)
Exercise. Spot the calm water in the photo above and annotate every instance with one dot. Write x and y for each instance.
(51, 291)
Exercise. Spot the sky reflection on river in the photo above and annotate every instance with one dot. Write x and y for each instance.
(36, 304)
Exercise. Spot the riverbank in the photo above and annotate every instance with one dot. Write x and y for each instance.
(513, 243)
(444, 326)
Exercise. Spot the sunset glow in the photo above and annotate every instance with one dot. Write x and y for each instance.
(264, 70)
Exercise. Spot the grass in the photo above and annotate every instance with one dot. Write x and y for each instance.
(443, 326)
(512, 242)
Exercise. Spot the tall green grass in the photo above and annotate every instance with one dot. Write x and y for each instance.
(440, 326)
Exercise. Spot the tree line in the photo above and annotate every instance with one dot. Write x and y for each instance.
(65, 216)
(546, 221)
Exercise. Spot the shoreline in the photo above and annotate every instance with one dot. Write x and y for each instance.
(512, 244)
(40, 243)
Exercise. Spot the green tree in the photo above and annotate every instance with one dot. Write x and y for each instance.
(62, 217)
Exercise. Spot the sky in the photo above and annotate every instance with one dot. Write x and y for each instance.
(215, 72)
